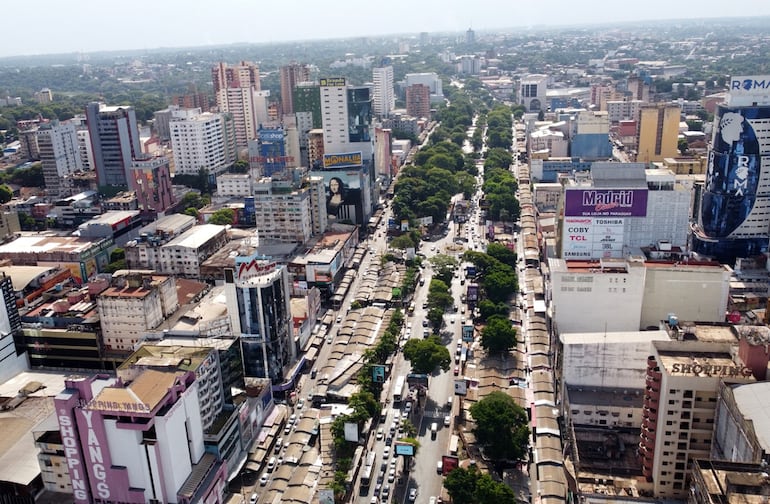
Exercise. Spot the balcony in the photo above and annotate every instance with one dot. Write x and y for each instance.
(650, 424)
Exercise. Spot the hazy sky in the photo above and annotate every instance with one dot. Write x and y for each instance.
(56, 26)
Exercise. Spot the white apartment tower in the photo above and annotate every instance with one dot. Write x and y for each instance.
(202, 140)
(59, 156)
(384, 98)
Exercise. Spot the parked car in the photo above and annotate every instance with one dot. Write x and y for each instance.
(412, 494)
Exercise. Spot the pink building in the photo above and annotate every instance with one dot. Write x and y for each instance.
(136, 443)
(151, 180)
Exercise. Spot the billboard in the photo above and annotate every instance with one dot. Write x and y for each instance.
(359, 114)
(468, 333)
(461, 387)
(351, 432)
(592, 237)
(605, 203)
(345, 194)
(343, 160)
(247, 267)
(448, 464)
(733, 172)
(472, 293)
(332, 82)
(743, 85)
(405, 449)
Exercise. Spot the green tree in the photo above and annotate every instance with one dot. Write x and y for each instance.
(682, 146)
(489, 490)
(117, 254)
(498, 336)
(499, 282)
(502, 254)
(402, 242)
(443, 267)
(436, 318)
(6, 193)
(461, 485)
(223, 217)
(501, 426)
(364, 405)
(192, 212)
(427, 354)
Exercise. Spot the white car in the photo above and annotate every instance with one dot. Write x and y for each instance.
(447, 420)
(379, 433)
(263, 479)
(386, 453)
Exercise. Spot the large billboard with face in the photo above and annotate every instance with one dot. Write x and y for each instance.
(346, 194)
(605, 203)
(733, 173)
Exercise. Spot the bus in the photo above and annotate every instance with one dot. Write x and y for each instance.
(398, 391)
(453, 442)
(354, 468)
(368, 471)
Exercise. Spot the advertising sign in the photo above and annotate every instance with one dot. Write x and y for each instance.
(378, 374)
(592, 237)
(247, 267)
(271, 135)
(461, 387)
(749, 85)
(472, 293)
(449, 464)
(332, 82)
(405, 449)
(344, 195)
(468, 333)
(343, 160)
(605, 203)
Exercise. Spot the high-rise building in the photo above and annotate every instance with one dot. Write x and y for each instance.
(244, 74)
(418, 100)
(658, 132)
(291, 75)
(384, 98)
(590, 135)
(430, 79)
(679, 409)
(734, 215)
(470, 36)
(10, 325)
(307, 98)
(59, 156)
(258, 305)
(237, 92)
(135, 442)
(283, 211)
(202, 140)
(114, 135)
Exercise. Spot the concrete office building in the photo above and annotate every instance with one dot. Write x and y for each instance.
(237, 92)
(658, 132)
(429, 79)
(383, 97)
(418, 100)
(137, 442)
(621, 110)
(184, 254)
(283, 211)
(683, 379)
(734, 214)
(134, 304)
(243, 74)
(59, 156)
(114, 135)
(533, 92)
(307, 98)
(202, 140)
(259, 308)
(590, 135)
(150, 179)
(291, 75)
(619, 207)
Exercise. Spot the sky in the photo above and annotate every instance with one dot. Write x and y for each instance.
(56, 26)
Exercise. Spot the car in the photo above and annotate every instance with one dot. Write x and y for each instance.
(432, 500)
(287, 430)
(462, 309)
(392, 476)
(440, 467)
(300, 403)
(389, 440)
(385, 491)
(381, 477)
(377, 488)
(292, 418)
(457, 370)
(393, 462)
(447, 420)
(254, 498)
(404, 414)
(374, 500)
(425, 323)
(412, 494)
(278, 445)
(424, 307)
(408, 407)
(457, 358)
(452, 319)
(384, 466)
(380, 433)
(339, 318)
(433, 248)
(329, 341)
(425, 333)
(263, 479)
(393, 427)
(386, 453)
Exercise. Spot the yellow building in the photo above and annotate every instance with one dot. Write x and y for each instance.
(686, 165)
(658, 132)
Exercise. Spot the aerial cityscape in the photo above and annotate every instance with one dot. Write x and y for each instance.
(469, 265)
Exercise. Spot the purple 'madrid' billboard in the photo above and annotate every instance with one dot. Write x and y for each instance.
(605, 203)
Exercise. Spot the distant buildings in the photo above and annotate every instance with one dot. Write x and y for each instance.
(383, 99)
(237, 91)
(418, 100)
(658, 132)
(429, 79)
(202, 140)
(59, 156)
(291, 75)
(533, 92)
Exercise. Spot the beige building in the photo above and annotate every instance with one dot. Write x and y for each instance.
(681, 393)
(658, 132)
(686, 165)
(184, 254)
(131, 306)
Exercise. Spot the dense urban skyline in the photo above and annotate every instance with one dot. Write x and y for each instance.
(174, 23)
